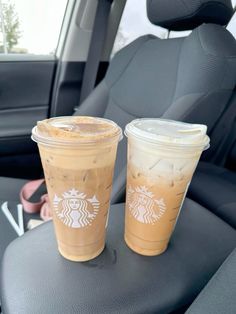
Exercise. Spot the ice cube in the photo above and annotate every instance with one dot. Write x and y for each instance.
(164, 166)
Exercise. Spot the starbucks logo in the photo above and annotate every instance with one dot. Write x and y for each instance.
(75, 210)
(143, 206)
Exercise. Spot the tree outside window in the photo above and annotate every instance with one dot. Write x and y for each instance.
(9, 28)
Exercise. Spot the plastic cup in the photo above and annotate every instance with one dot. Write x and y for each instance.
(78, 156)
(162, 157)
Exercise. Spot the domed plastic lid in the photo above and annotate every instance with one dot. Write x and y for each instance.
(75, 130)
(169, 132)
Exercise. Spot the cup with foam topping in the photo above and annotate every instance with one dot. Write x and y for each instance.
(162, 157)
(78, 156)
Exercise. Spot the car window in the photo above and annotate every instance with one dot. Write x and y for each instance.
(135, 23)
(232, 25)
(30, 26)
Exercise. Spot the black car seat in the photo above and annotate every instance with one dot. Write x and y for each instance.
(215, 188)
(219, 294)
(189, 79)
(214, 185)
(35, 279)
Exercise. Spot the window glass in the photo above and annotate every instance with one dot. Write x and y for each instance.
(232, 25)
(135, 23)
(30, 26)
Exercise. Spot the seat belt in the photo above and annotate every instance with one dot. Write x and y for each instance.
(221, 137)
(95, 48)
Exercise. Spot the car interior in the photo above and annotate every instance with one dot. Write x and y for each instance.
(190, 77)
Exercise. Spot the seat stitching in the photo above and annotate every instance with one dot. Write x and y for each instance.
(177, 72)
(185, 4)
(193, 105)
(119, 106)
(226, 204)
(209, 53)
(127, 65)
(215, 279)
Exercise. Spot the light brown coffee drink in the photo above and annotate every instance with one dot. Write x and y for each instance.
(162, 157)
(78, 156)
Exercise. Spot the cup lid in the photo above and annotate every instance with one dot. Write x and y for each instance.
(169, 132)
(76, 130)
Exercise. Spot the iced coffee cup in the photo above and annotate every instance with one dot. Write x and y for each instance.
(78, 156)
(162, 157)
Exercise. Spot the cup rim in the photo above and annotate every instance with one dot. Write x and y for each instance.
(51, 141)
(132, 131)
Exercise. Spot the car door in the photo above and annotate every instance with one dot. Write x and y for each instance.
(29, 33)
(45, 79)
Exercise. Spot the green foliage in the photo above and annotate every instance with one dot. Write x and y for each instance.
(11, 25)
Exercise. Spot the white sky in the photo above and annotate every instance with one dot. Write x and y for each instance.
(40, 23)
(135, 22)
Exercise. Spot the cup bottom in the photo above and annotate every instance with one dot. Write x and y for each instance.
(81, 258)
(142, 250)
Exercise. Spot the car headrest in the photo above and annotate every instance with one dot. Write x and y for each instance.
(182, 15)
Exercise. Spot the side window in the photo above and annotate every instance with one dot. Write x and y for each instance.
(232, 24)
(30, 26)
(135, 23)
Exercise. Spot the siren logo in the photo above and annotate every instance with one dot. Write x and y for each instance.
(143, 206)
(75, 210)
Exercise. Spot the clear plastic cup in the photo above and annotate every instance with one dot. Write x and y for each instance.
(162, 157)
(78, 156)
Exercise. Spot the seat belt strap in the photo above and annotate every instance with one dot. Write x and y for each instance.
(95, 48)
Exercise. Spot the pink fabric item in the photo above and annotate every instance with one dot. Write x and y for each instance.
(42, 206)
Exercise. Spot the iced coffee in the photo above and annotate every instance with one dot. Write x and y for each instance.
(162, 157)
(78, 156)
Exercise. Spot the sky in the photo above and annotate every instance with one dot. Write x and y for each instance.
(40, 23)
(41, 20)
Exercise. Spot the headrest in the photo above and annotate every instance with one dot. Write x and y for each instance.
(182, 15)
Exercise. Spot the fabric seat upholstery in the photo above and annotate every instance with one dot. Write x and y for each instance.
(215, 188)
(36, 279)
(219, 295)
(176, 79)
(10, 189)
(189, 79)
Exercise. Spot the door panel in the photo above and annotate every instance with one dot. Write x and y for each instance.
(25, 84)
(25, 93)
(67, 87)
(19, 122)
